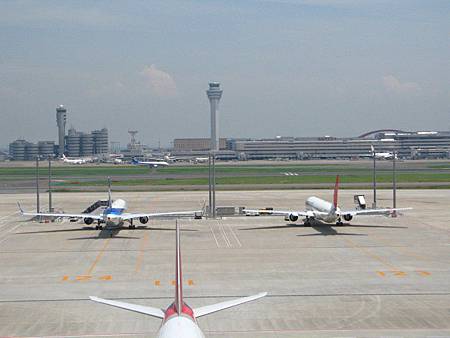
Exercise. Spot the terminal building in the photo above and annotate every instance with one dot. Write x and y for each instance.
(408, 145)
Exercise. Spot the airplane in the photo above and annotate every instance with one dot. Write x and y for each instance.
(73, 160)
(153, 164)
(179, 320)
(114, 215)
(319, 209)
(380, 155)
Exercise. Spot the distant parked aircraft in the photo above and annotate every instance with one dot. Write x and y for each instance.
(75, 160)
(179, 320)
(317, 208)
(152, 164)
(114, 215)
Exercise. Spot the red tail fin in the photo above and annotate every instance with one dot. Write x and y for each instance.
(178, 306)
(178, 275)
(336, 189)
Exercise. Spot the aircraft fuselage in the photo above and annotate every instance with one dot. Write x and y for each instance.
(317, 204)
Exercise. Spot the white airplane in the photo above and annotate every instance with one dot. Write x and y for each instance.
(179, 320)
(73, 160)
(153, 164)
(114, 215)
(319, 209)
(383, 155)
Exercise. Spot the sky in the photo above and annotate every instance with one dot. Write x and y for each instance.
(286, 67)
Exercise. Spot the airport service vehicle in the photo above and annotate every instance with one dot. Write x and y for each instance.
(114, 215)
(319, 209)
(179, 320)
(73, 160)
(151, 164)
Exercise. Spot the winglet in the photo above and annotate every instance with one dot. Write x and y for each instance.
(178, 274)
(336, 189)
(20, 208)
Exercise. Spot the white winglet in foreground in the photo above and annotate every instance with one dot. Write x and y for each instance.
(179, 319)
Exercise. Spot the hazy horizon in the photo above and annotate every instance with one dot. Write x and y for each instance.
(287, 67)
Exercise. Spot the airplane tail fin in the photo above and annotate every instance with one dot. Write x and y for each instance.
(109, 193)
(134, 161)
(336, 190)
(178, 274)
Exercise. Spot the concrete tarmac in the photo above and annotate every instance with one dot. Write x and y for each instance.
(377, 277)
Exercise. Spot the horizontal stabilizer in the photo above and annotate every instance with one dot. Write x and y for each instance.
(205, 310)
(147, 310)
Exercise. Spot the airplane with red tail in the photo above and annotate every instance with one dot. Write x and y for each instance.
(319, 209)
(179, 320)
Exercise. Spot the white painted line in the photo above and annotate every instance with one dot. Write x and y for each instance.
(225, 237)
(235, 237)
(215, 238)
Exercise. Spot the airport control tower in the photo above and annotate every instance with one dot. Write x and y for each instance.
(61, 117)
(214, 94)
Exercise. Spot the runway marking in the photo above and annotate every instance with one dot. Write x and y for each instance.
(400, 273)
(393, 269)
(99, 256)
(157, 283)
(381, 273)
(106, 277)
(140, 257)
(235, 236)
(83, 278)
(225, 237)
(423, 273)
(190, 282)
(215, 238)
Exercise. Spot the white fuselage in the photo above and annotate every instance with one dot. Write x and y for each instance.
(112, 215)
(180, 327)
(317, 204)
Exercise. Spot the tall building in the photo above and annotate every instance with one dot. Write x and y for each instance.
(61, 117)
(214, 94)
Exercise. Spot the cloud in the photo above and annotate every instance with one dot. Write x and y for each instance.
(162, 83)
(392, 84)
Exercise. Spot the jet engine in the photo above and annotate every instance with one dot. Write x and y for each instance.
(143, 219)
(88, 221)
(348, 217)
(293, 217)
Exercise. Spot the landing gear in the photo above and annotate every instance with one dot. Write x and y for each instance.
(131, 226)
(307, 222)
(339, 222)
(98, 226)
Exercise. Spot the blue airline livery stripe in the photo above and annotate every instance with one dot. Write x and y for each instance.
(114, 211)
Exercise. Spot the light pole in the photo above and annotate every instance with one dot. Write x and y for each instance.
(50, 209)
(394, 183)
(214, 94)
(38, 207)
(374, 179)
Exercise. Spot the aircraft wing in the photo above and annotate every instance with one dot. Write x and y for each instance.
(147, 310)
(162, 214)
(278, 212)
(204, 310)
(373, 212)
(55, 214)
